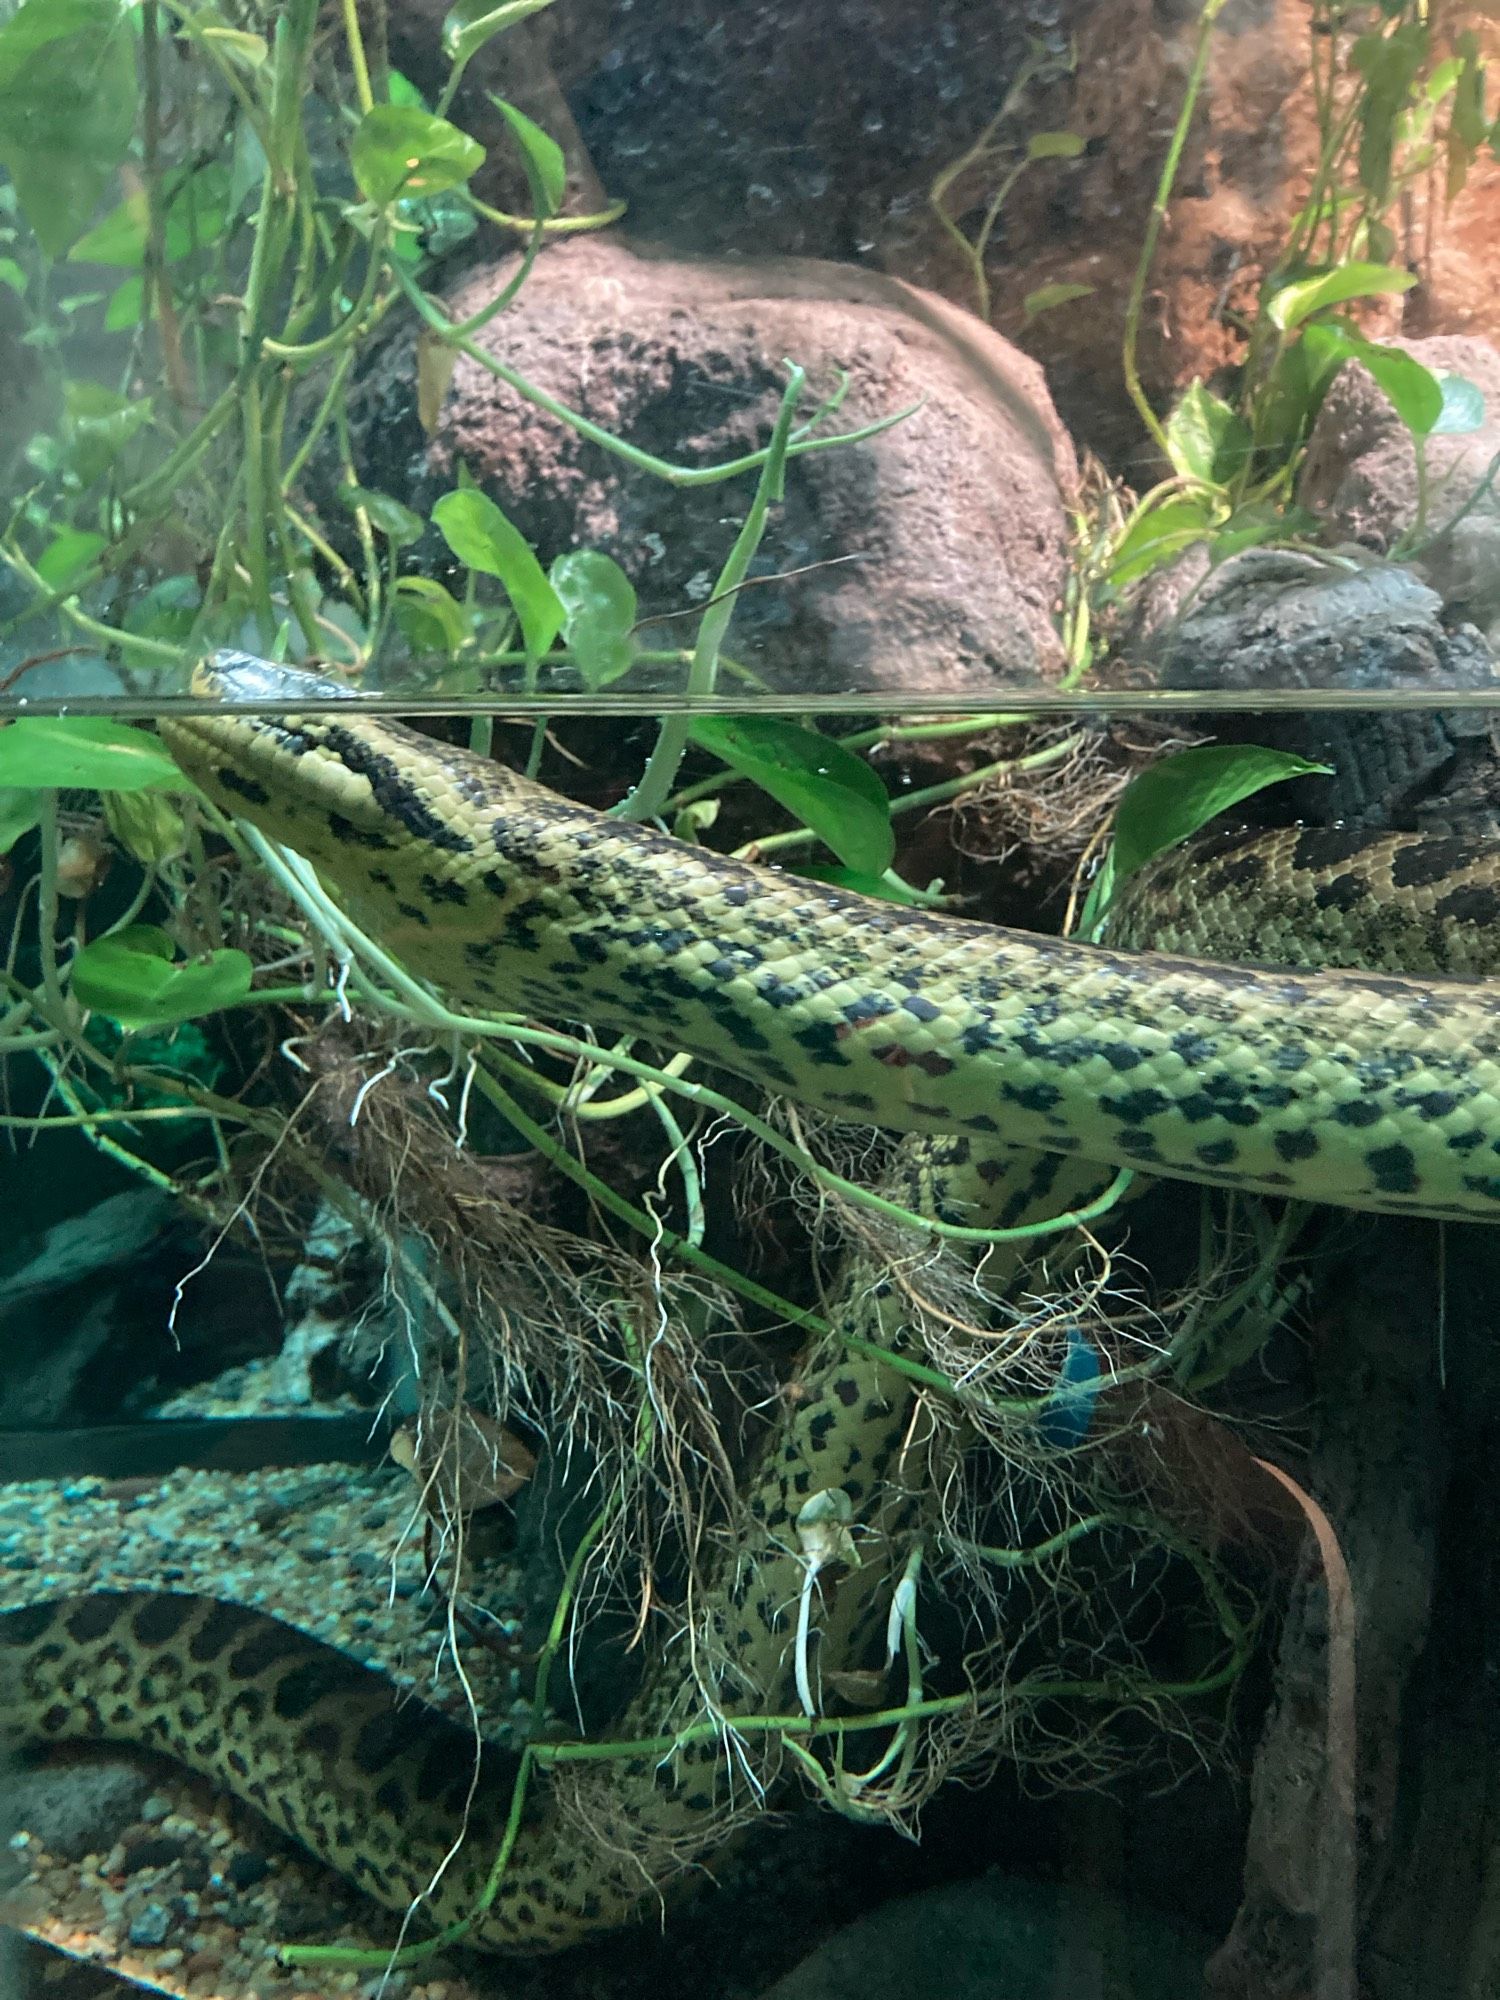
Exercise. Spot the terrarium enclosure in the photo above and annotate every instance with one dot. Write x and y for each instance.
(748, 795)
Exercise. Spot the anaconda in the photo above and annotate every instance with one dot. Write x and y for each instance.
(1366, 1090)
(1373, 1091)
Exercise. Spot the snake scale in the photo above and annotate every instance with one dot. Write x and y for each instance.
(1370, 1089)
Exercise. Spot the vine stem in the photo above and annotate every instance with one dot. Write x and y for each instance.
(647, 799)
(1206, 20)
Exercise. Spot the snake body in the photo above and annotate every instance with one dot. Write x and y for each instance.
(404, 1801)
(1363, 1089)
(1371, 1090)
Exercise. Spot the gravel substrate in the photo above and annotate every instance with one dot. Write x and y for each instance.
(131, 1862)
(192, 1891)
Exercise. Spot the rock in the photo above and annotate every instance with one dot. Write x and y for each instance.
(150, 1926)
(1294, 619)
(247, 1868)
(68, 1320)
(1275, 620)
(956, 516)
(818, 131)
(756, 129)
(1360, 477)
(146, 1848)
(87, 1320)
(76, 1804)
(1287, 619)
(1003, 1938)
(114, 1231)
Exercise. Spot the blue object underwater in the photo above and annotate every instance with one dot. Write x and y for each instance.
(1068, 1413)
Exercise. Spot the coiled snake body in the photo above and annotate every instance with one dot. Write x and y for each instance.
(1367, 1089)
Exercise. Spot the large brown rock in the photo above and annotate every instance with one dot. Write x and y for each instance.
(956, 516)
(780, 128)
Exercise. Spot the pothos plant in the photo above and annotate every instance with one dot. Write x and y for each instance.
(1399, 99)
(107, 1001)
(278, 205)
(256, 260)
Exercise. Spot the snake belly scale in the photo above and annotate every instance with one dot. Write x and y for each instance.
(1371, 1090)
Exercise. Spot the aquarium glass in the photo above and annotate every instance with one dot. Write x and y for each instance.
(749, 1088)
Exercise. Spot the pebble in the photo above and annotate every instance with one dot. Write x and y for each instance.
(156, 1808)
(150, 1853)
(151, 1925)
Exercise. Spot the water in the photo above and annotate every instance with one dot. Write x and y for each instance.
(472, 1277)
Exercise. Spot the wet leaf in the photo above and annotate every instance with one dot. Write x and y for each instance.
(398, 150)
(547, 170)
(599, 606)
(67, 110)
(430, 618)
(197, 215)
(1298, 301)
(1170, 800)
(166, 611)
(480, 536)
(1158, 533)
(1055, 145)
(1046, 298)
(472, 23)
(132, 977)
(387, 515)
(100, 424)
(1463, 407)
(1415, 391)
(828, 788)
(76, 752)
(1207, 440)
(68, 555)
(19, 813)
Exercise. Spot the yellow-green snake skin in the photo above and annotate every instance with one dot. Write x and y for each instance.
(1369, 1090)
(1362, 1089)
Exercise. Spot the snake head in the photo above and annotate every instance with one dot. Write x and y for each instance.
(267, 752)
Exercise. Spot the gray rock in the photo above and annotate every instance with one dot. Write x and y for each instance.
(65, 1307)
(151, 1925)
(75, 1804)
(101, 1238)
(956, 516)
(1276, 619)
(1003, 1938)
